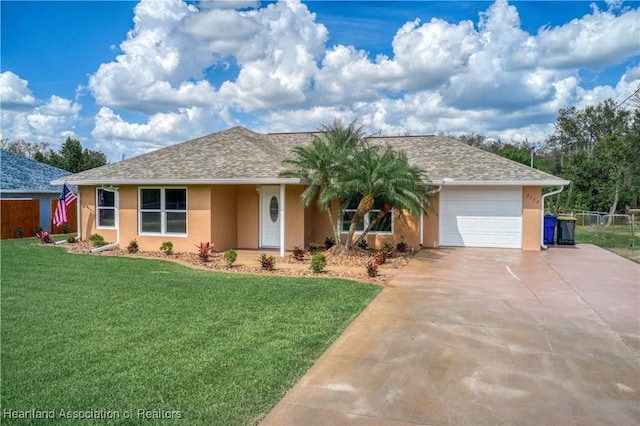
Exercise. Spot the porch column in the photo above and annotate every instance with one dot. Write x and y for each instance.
(282, 220)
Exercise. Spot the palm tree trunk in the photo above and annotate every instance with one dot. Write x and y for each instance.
(386, 208)
(364, 206)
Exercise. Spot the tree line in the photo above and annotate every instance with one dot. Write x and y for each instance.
(597, 148)
(72, 157)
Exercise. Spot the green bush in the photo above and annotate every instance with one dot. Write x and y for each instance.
(312, 247)
(97, 240)
(318, 262)
(167, 248)
(229, 257)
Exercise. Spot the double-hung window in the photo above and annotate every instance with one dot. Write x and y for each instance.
(163, 211)
(106, 208)
(384, 226)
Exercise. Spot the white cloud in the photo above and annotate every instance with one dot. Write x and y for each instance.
(595, 41)
(14, 92)
(24, 117)
(190, 69)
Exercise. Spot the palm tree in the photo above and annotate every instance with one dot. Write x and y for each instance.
(323, 164)
(380, 173)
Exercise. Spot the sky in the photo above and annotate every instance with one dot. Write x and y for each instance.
(129, 77)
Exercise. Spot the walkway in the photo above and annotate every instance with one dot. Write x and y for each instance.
(485, 336)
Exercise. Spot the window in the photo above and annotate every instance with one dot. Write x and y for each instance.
(163, 211)
(384, 226)
(106, 208)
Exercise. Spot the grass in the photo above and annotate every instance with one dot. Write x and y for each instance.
(83, 332)
(613, 238)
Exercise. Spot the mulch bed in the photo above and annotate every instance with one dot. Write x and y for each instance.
(350, 265)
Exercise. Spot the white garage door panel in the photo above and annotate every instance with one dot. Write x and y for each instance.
(481, 217)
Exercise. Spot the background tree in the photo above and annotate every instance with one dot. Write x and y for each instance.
(72, 157)
(22, 147)
(597, 149)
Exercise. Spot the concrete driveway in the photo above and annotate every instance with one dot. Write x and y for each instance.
(485, 336)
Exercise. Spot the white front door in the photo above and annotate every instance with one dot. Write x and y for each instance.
(270, 216)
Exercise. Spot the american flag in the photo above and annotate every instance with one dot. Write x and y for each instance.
(64, 201)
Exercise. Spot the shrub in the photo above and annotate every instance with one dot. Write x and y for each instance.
(97, 240)
(65, 228)
(298, 253)
(388, 248)
(167, 248)
(133, 247)
(401, 247)
(268, 263)
(318, 262)
(19, 232)
(204, 251)
(72, 240)
(383, 254)
(312, 247)
(229, 257)
(363, 244)
(44, 237)
(37, 229)
(329, 242)
(372, 269)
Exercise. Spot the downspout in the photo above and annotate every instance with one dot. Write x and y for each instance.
(117, 243)
(79, 217)
(542, 245)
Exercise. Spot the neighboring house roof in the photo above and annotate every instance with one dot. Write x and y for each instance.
(21, 174)
(239, 155)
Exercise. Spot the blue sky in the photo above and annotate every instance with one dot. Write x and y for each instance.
(126, 77)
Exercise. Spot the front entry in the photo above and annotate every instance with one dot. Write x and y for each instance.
(270, 216)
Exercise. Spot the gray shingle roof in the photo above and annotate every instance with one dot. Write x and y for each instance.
(22, 174)
(242, 156)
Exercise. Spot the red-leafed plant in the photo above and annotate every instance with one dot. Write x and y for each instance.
(204, 251)
(268, 263)
(372, 269)
(44, 237)
(298, 253)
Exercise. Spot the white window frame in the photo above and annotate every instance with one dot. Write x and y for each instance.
(114, 208)
(163, 211)
(367, 219)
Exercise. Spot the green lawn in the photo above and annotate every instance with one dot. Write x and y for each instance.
(102, 333)
(613, 238)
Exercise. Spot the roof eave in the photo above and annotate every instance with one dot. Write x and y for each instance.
(225, 181)
(30, 191)
(542, 182)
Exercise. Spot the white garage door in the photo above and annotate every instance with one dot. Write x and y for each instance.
(481, 217)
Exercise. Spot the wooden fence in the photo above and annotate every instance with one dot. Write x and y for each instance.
(19, 215)
(72, 213)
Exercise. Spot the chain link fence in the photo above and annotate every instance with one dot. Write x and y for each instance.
(616, 232)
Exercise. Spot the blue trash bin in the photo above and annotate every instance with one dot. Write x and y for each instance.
(549, 228)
